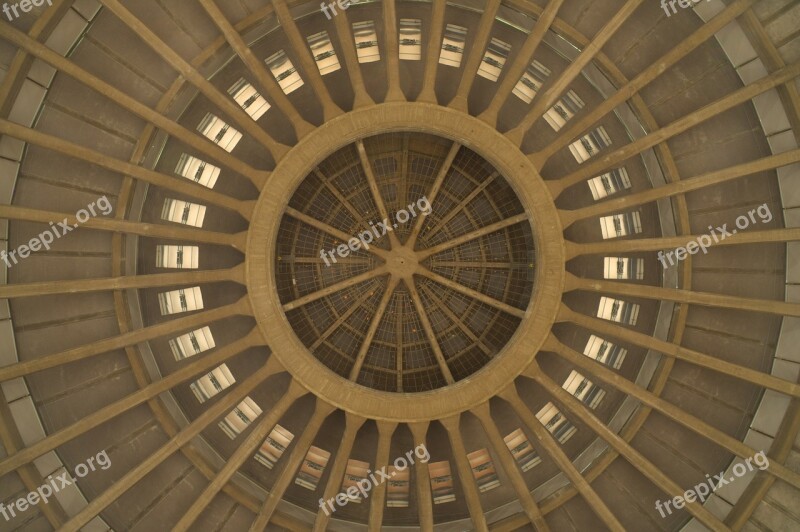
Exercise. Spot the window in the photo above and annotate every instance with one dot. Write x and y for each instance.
(410, 39)
(453, 45)
(563, 110)
(285, 74)
(605, 352)
(274, 446)
(590, 144)
(619, 225)
(312, 468)
(397, 490)
(192, 343)
(198, 171)
(182, 300)
(522, 450)
(212, 383)
(441, 482)
(554, 421)
(220, 133)
(583, 389)
(366, 42)
(169, 256)
(617, 310)
(249, 99)
(355, 471)
(531, 81)
(623, 268)
(323, 52)
(240, 418)
(609, 183)
(494, 59)
(183, 212)
(483, 470)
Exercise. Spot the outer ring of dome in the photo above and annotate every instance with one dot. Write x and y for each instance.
(532, 192)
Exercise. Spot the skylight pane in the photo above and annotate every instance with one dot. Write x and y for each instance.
(313, 466)
(590, 145)
(483, 470)
(531, 81)
(397, 491)
(619, 225)
(441, 482)
(170, 256)
(554, 421)
(617, 310)
(356, 471)
(212, 383)
(220, 133)
(366, 42)
(192, 343)
(410, 39)
(249, 99)
(558, 115)
(605, 352)
(240, 418)
(453, 45)
(274, 446)
(183, 212)
(584, 389)
(323, 52)
(609, 183)
(182, 300)
(623, 268)
(522, 450)
(494, 59)
(197, 170)
(285, 74)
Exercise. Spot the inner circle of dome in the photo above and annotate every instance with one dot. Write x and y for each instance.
(382, 332)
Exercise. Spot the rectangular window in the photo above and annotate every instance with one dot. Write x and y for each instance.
(198, 171)
(483, 470)
(554, 421)
(531, 81)
(212, 383)
(558, 115)
(219, 132)
(323, 52)
(410, 39)
(240, 418)
(623, 268)
(313, 466)
(182, 300)
(366, 41)
(183, 212)
(397, 490)
(249, 99)
(284, 72)
(441, 482)
(494, 59)
(274, 446)
(590, 145)
(619, 225)
(609, 183)
(617, 310)
(605, 352)
(453, 45)
(355, 471)
(583, 389)
(522, 450)
(192, 343)
(169, 256)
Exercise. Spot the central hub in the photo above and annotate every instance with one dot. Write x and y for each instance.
(402, 262)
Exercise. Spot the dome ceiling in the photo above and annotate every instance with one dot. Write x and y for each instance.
(550, 244)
